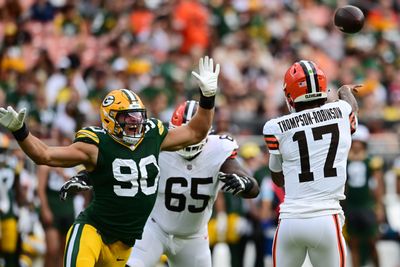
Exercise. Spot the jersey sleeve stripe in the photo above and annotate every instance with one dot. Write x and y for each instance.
(270, 138)
(88, 134)
(233, 154)
(271, 141)
(273, 146)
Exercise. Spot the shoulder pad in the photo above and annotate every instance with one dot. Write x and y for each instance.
(156, 123)
(89, 135)
(271, 128)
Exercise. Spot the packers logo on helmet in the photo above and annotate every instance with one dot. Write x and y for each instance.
(108, 100)
(123, 116)
(304, 82)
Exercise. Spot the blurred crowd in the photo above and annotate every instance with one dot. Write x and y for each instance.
(59, 58)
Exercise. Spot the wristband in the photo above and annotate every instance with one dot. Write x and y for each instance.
(21, 133)
(207, 102)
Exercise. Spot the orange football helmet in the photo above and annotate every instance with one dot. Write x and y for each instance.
(121, 108)
(304, 82)
(181, 116)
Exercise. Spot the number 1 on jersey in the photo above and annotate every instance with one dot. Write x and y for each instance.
(318, 132)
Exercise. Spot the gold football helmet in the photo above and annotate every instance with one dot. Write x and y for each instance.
(123, 116)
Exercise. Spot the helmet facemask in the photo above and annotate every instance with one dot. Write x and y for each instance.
(130, 126)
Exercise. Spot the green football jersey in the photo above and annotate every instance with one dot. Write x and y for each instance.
(124, 182)
(359, 184)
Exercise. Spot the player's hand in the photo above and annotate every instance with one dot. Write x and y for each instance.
(12, 120)
(74, 185)
(234, 183)
(208, 77)
(353, 88)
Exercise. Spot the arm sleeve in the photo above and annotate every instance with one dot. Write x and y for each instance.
(275, 163)
(270, 138)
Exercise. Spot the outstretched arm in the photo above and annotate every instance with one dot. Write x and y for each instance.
(41, 153)
(198, 127)
(237, 180)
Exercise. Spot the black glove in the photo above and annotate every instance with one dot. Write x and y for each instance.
(234, 183)
(76, 184)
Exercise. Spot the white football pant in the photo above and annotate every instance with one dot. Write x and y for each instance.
(181, 252)
(320, 236)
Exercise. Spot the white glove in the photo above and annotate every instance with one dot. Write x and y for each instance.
(208, 78)
(12, 120)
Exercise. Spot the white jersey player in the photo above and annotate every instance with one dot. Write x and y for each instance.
(190, 179)
(308, 156)
(188, 186)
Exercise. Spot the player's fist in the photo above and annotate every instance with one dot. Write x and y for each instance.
(74, 185)
(234, 183)
(12, 120)
(207, 76)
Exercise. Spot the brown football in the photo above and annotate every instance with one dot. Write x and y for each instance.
(349, 19)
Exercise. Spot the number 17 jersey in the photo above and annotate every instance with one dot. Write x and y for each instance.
(314, 146)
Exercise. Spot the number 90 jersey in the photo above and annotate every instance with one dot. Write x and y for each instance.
(188, 188)
(124, 183)
(314, 146)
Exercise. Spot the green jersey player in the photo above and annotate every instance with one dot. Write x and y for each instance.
(121, 158)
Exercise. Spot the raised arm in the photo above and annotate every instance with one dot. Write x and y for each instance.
(41, 153)
(198, 127)
(346, 93)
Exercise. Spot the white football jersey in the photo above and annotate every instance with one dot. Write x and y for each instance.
(314, 146)
(188, 188)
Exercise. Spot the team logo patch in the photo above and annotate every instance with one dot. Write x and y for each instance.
(108, 100)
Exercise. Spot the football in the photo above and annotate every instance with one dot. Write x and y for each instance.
(349, 19)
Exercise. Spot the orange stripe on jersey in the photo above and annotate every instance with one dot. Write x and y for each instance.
(233, 154)
(270, 138)
(342, 255)
(271, 141)
(273, 146)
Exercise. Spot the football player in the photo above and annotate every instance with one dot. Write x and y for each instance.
(122, 160)
(308, 155)
(190, 179)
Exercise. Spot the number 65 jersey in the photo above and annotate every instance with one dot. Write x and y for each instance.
(188, 188)
(314, 145)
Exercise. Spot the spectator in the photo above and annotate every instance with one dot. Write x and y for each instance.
(363, 205)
